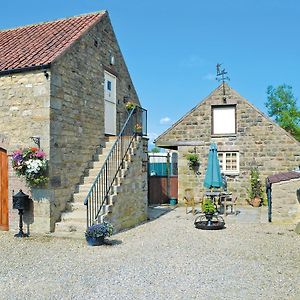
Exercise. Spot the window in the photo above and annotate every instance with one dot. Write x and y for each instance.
(229, 162)
(223, 119)
(109, 85)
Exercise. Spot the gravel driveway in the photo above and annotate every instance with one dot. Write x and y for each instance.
(166, 258)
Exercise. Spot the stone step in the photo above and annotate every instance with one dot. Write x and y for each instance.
(70, 226)
(68, 235)
(74, 206)
(80, 197)
(77, 216)
(73, 222)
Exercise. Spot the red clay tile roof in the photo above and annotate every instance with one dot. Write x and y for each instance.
(283, 176)
(40, 44)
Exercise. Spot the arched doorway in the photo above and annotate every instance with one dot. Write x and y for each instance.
(3, 190)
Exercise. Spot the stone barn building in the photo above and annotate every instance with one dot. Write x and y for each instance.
(66, 83)
(245, 138)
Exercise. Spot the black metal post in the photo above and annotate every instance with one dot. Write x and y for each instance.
(21, 233)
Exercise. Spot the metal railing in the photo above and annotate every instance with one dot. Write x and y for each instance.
(98, 196)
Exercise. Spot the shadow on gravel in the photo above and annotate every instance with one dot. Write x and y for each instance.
(112, 242)
(155, 212)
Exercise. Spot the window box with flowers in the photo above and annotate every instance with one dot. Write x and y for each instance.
(31, 165)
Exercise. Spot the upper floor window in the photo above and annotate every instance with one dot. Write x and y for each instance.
(224, 119)
(109, 85)
(229, 162)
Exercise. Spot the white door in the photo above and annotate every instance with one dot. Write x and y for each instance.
(110, 103)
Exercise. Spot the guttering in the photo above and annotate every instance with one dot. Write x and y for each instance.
(24, 69)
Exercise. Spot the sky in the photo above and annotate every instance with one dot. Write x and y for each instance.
(171, 47)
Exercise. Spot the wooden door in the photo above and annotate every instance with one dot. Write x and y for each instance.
(3, 190)
(110, 101)
(162, 178)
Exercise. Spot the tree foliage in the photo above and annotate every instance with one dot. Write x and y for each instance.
(282, 106)
(155, 150)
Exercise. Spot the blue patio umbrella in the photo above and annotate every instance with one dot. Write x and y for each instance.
(213, 177)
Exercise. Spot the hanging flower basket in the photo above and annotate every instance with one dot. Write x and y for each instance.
(130, 105)
(138, 129)
(31, 164)
(193, 160)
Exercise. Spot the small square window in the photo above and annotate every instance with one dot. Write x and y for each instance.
(229, 162)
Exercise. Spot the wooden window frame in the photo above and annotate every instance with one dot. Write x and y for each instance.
(224, 167)
(212, 120)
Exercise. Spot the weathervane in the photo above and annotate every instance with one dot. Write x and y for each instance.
(221, 76)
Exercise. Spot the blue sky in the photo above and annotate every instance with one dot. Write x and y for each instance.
(171, 47)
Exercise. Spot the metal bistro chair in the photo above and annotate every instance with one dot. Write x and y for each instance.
(189, 200)
(228, 201)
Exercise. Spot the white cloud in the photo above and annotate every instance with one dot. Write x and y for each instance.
(165, 120)
(209, 76)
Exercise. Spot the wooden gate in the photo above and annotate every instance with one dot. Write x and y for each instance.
(3, 190)
(162, 178)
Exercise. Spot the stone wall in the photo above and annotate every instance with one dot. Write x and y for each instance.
(77, 107)
(67, 111)
(130, 207)
(258, 140)
(285, 205)
(24, 112)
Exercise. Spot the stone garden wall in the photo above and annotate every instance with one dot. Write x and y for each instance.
(130, 205)
(259, 141)
(285, 205)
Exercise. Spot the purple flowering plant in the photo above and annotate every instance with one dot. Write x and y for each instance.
(31, 164)
(98, 230)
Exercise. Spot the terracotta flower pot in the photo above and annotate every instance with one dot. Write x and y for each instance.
(256, 202)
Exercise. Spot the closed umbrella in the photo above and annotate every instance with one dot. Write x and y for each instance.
(213, 177)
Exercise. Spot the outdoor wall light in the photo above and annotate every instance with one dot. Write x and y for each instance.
(46, 74)
(111, 58)
(36, 140)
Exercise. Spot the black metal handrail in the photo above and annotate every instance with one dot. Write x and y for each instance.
(97, 197)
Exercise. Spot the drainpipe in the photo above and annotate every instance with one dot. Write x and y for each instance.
(168, 176)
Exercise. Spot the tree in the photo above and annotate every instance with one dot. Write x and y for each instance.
(282, 106)
(155, 150)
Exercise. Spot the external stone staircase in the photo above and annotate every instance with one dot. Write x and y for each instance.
(74, 221)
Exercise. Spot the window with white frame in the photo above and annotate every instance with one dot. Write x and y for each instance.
(229, 162)
(224, 119)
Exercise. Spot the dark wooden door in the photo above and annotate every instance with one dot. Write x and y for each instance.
(158, 189)
(3, 190)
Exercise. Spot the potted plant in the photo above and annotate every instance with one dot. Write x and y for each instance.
(208, 209)
(130, 105)
(138, 129)
(95, 234)
(31, 164)
(255, 191)
(193, 160)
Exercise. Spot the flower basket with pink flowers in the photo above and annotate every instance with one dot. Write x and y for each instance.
(31, 164)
